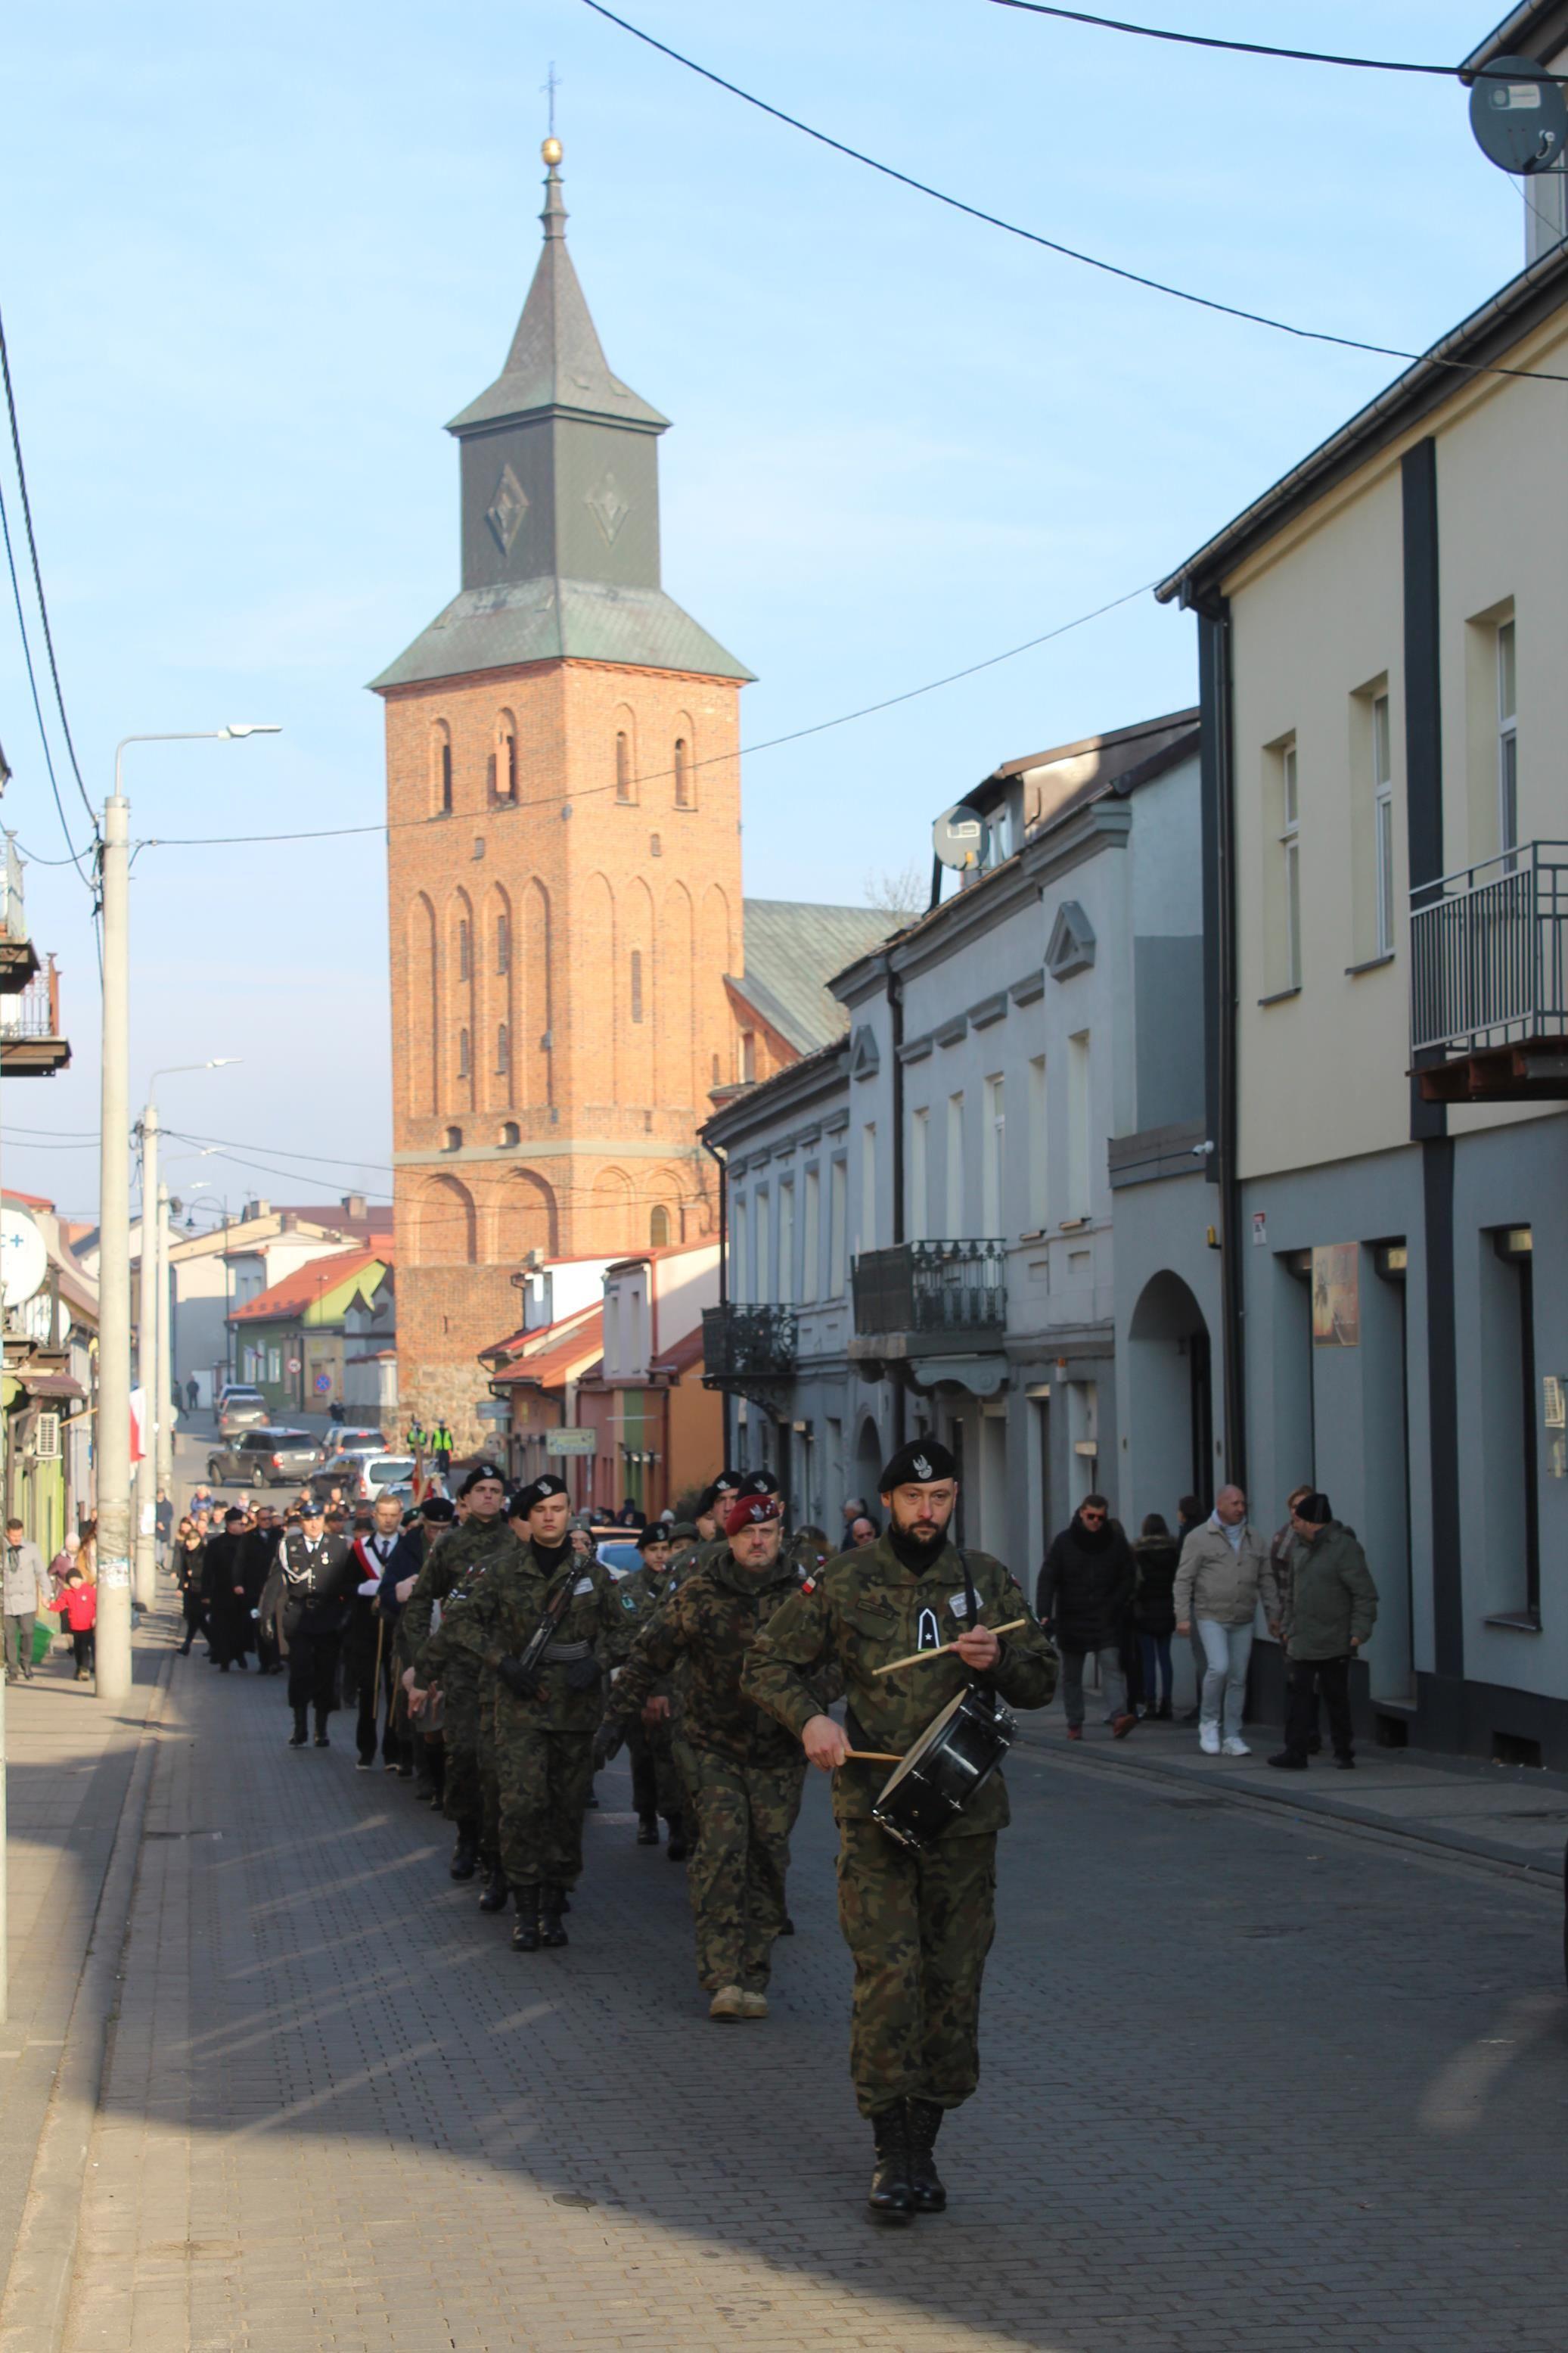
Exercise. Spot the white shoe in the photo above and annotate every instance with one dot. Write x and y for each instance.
(1208, 1739)
(1234, 1747)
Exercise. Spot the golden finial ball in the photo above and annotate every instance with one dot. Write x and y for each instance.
(551, 151)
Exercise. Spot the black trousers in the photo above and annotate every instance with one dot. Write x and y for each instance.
(313, 1672)
(1305, 1679)
(375, 1699)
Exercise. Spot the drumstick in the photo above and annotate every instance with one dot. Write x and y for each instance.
(874, 1756)
(916, 1656)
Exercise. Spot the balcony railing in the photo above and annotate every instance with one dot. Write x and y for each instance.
(1489, 952)
(33, 1011)
(742, 1343)
(932, 1287)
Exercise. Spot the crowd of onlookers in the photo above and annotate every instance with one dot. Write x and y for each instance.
(66, 1590)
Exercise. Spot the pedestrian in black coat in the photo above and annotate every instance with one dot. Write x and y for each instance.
(1083, 1600)
(310, 1596)
(1156, 1554)
(228, 1605)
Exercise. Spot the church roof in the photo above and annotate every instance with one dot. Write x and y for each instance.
(792, 950)
(550, 619)
(556, 360)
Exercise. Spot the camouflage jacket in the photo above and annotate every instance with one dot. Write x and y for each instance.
(708, 1626)
(498, 1618)
(866, 1609)
(638, 1597)
(452, 1570)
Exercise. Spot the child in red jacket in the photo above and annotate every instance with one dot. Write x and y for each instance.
(79, 1600)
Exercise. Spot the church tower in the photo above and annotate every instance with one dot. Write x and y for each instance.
(562, 792)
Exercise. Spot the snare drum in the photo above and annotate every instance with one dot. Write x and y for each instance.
(952, 1759)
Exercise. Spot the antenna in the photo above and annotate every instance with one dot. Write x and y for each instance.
(1518, 116)
(959, 837)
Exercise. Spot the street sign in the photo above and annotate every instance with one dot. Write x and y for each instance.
(492, 1410)
(569, 1441)
(293, 1364)
(322, 1383)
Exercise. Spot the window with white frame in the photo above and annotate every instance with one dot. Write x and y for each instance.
(992, 1141)
(740, 1264)
(1508, 740)
(920, 1174)
(1383, 821)
(811, 1234)
(868, 1239)
(785, 1285)
(1039, 1195)
(954, 1169)
(1080, 1158)
(838, 1213)
(1291, 860)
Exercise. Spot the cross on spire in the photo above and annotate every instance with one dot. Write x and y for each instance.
(550, 85)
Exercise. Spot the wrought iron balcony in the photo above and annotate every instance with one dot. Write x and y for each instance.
(932, 1287)
(31, 1045)
(747, 1343)
(1488, 976)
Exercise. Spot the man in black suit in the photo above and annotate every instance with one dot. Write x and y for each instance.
(310, 1596)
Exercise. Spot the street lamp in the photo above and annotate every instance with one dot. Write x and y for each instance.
(157, 1465)
(114, 1630)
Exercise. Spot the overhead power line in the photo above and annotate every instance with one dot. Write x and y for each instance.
(76, 856)
(1055, 245)
(1258, 48)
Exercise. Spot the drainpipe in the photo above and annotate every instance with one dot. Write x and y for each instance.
(722, 1166)
(1218, 780)
(896, 1035)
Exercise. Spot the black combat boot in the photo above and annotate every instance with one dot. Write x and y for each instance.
(647, 1830)
(550, 1932)
(496, 1888)
(299, 1734)
(677, 1851)
(321, 1740)
(466, 1853)
(890, 2198)
(525, 1933)
(925, 2123)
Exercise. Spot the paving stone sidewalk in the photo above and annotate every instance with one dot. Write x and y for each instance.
(1249, 2083)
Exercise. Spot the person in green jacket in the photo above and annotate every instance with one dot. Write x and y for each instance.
(1331, 1609)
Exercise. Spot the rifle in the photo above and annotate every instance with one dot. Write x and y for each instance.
(549, 1618)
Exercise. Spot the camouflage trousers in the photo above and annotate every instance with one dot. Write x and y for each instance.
(489, 1787)
(918, 1927)
(463, 1801)
(657, 1785)
(744, 1814)
(544, 1781)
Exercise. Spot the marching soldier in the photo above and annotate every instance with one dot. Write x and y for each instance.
(743, 1771)
(422, 1754)
(918, 1923)
(657, 1787)
(308, 1596)
(541, 1598)
(451, 1574)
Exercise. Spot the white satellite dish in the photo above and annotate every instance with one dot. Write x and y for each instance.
(24, 1259)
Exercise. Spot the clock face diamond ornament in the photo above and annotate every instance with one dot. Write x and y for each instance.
(506, 509)
(608, 505)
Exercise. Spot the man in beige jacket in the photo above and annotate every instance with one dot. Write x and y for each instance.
(1224, 1573)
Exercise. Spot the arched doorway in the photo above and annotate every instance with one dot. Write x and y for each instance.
(1170, 1401)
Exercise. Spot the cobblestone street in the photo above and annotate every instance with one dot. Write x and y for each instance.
(1249, 2081)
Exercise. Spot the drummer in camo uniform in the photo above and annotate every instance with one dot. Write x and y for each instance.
(451, 1574)
(919, 1924)
(656, 1784)
(744, 1774)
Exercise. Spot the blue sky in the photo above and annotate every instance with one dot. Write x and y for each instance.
(251, 262)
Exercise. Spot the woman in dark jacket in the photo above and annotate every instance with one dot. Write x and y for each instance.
(1082, 1599)
(188, 1562)
(1156, 1554)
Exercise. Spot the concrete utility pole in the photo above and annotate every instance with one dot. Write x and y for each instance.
(113, 1628)
(165, 1462)
(154, 1405)
(114, 1225)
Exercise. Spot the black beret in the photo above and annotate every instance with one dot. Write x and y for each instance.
(761, 1483)
(481, 1471)
(439, 1509)
(917, 1465)
(728, 1482)
(656, 1532)
(523, 1501)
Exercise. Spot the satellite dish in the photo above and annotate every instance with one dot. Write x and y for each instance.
(1519, 120)
(23, 1257)
(959, 838)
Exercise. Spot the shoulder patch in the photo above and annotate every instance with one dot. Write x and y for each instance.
(808, 1585)
(628, 1600)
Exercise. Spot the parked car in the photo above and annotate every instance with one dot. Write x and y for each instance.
(262, 1458)
(362, 1477)
(616, 1551)
(341, 1441)
(239, 1406)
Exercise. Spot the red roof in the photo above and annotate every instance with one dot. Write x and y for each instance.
(294, 1292)
(681, 1359)
(565, 1347)
(28, 1200)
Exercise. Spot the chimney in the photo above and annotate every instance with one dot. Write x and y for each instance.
(257, 1208)
(353, 1203)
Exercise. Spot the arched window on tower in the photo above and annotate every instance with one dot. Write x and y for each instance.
(465, 953)
(503, 1051)
(464, 1055)
(446, 778)
(622, 765)
(637, 984)
(659, 1227)
(440, 769)
(682, 774)
(503, 942)
(504, 761)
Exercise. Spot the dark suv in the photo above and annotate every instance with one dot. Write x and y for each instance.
(263, 1457)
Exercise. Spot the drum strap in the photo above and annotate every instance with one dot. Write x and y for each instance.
(984, 1690)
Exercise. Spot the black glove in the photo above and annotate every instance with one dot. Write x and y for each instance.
(607, 1741)
(581, 1674)
(521, 1681)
